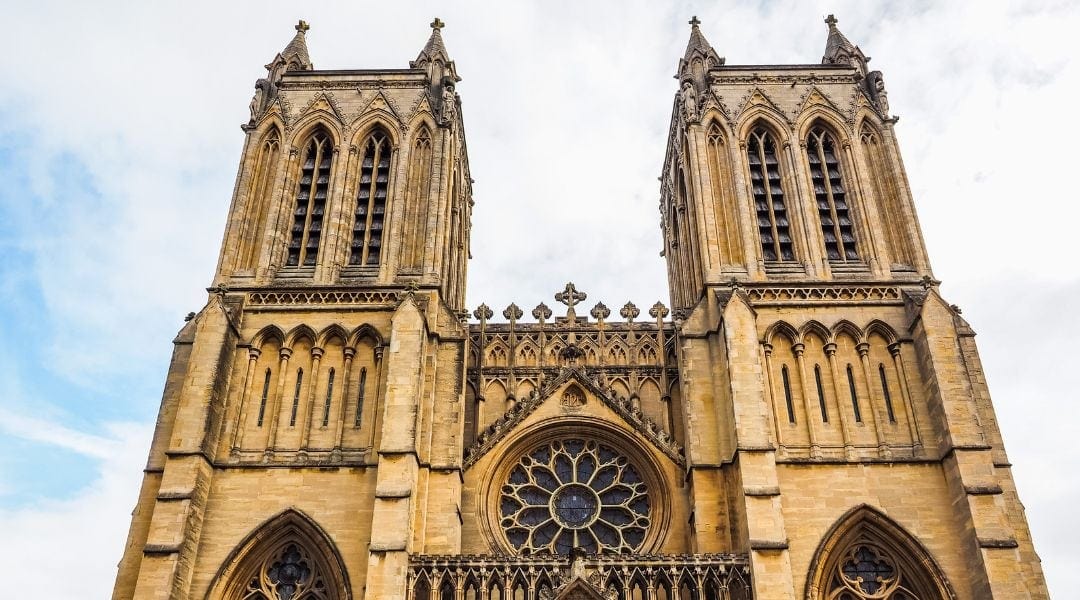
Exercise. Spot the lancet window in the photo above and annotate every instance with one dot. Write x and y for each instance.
(258, 197)
(723, 196)
(310, 201)
(831, 197)
(418, 200)
(369, 218)
(768, 192)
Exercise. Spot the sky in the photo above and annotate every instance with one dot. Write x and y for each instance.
(120, 138)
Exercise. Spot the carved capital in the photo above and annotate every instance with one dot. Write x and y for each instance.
(798, 348)
(830, 349)
(894, 349)
(863, 348)
(254, 353)
(349, 353)
(285, 353)
(317, 352)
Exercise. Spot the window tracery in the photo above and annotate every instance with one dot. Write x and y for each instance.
(768, 192)
(868, 571)
(369, 218)
(258, 197)
(827, 180)
(571, 493)
(289, 574)
(310, 201)
(723, 195)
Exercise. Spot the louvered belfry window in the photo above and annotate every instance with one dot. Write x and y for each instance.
(371, 201)
(310, 202)
(772, 218)
(831, 198)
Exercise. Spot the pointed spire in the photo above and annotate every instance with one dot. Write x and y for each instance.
(840, 50)
(698, 58)
(295, 53)
(435, 60)
(434, 50)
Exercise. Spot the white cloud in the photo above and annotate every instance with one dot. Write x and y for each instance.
(69, 548)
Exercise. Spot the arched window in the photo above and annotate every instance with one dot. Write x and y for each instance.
(310, 201)
(259, 198)
(832, 205)
(867, 556)
(723, 196)
(417, 201)
(886, 193)
(772, 218)
(287, 558)
(370, 213)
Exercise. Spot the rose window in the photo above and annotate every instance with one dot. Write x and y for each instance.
(574, 493)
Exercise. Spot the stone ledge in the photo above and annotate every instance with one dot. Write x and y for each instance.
(767, 545)
(998, 543)
(759, 491)
(992, 489)
(159, 549)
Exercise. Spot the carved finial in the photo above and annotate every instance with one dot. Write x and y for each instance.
(694, 21)
(483, 313)
(512, 313)
(629, 311)
(302, 26)
(831, 21)
(541, 312)
(600, 311)
(437, 24)
(658, 310)
(570, 296)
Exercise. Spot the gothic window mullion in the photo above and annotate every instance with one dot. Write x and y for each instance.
(768, 193)
(370, 216)
(833, 213)
(310, 203)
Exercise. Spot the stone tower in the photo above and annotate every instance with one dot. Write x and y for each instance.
(826, 383)
(336, 308)
(808, 420)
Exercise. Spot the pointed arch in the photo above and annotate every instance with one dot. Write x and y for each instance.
(844, 326)
(885, 191)
(813, 327)
(263, 171)
(830, 183)
(865, 555)
(782, 328)
(725, 209)
(368, 332)
(270, 332)
(764, 159)
(300, 332)
(372, 190)
(822, 116)
(417, 199)
(253, 570)
(312, 191)
(883, 329)
(330, 333)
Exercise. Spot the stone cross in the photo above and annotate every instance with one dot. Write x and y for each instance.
(694, 21)
(437, 24)
(570, 296)
(541, 313)
(302, 26)
(831, 21)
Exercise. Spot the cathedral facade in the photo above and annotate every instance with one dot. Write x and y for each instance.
(807, 419)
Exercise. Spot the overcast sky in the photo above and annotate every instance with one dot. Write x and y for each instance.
(120, 138)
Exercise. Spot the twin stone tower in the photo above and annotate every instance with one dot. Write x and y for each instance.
(808, 420)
